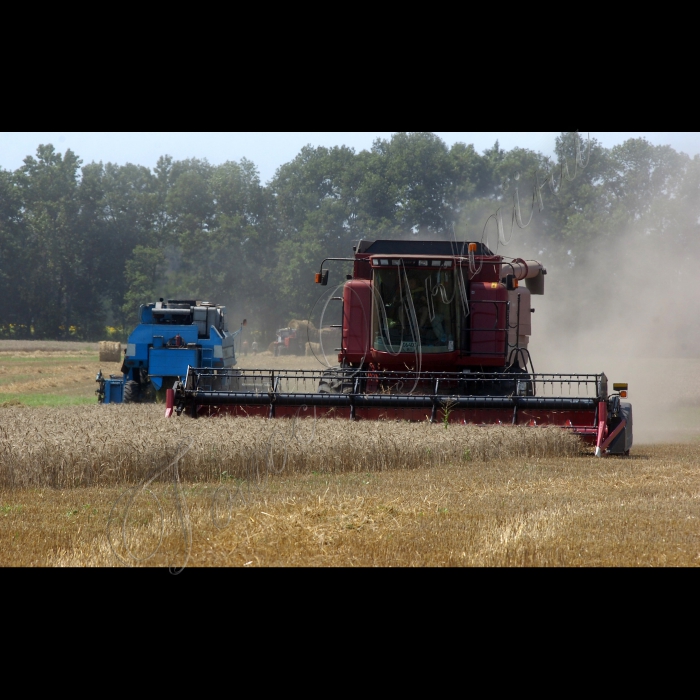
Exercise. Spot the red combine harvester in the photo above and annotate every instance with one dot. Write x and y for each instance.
(432, 330)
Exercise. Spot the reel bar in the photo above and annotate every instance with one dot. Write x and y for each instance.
(244, 398)
(348, 381)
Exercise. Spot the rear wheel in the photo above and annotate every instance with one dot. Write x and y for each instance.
(140, 392)
(132, 392)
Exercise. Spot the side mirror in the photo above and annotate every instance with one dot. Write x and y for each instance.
(511, 282)
(322, 278)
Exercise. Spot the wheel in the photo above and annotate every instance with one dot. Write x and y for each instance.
(334, 382)
(132, 392)
(520, 387)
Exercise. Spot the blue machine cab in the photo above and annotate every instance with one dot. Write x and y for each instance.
(171, 337)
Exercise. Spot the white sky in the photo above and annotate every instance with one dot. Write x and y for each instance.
(269, 150)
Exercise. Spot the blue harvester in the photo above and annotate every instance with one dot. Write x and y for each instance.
(171, 337)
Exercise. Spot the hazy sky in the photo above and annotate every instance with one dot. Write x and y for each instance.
(269, 150)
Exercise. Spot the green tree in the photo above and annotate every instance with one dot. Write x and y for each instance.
(132, 206)
(62, 289)
(142, 272)
(231, 260)
(413, 172)
(16, 261)
(315, 203)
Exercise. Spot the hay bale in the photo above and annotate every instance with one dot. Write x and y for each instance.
(306, 331)
(110, 351)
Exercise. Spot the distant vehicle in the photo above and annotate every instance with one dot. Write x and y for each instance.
(288, 342)
(171, 337)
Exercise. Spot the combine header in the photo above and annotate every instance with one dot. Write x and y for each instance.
(431, 330)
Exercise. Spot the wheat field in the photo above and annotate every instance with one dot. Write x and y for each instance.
(82, 446)
(117, 485)
(124, 486)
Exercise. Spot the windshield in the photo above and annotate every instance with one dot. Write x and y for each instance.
(414, 306)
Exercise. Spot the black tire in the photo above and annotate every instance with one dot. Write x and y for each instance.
(132, 392)
(335, 382)
(527, 386)
(139, 393)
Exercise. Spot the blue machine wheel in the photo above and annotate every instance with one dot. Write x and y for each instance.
(132, 392)
(139, 391)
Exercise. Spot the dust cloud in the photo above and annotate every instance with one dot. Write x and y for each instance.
(628, 311)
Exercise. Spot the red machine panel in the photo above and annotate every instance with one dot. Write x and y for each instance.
(357, 317)
(486, 269)
(362, 269)
(487, 319)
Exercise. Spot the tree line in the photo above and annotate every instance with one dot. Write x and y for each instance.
(82, 246)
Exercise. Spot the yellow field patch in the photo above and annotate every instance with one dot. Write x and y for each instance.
(57, 375)
(333, 493)
(639, 511)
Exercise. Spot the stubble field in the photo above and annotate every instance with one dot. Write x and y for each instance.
(93, 485)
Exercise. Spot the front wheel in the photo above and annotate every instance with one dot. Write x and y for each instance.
(521, 387)
(335, 382)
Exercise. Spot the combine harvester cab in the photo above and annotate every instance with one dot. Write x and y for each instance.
(431, 330)
(171, 337)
